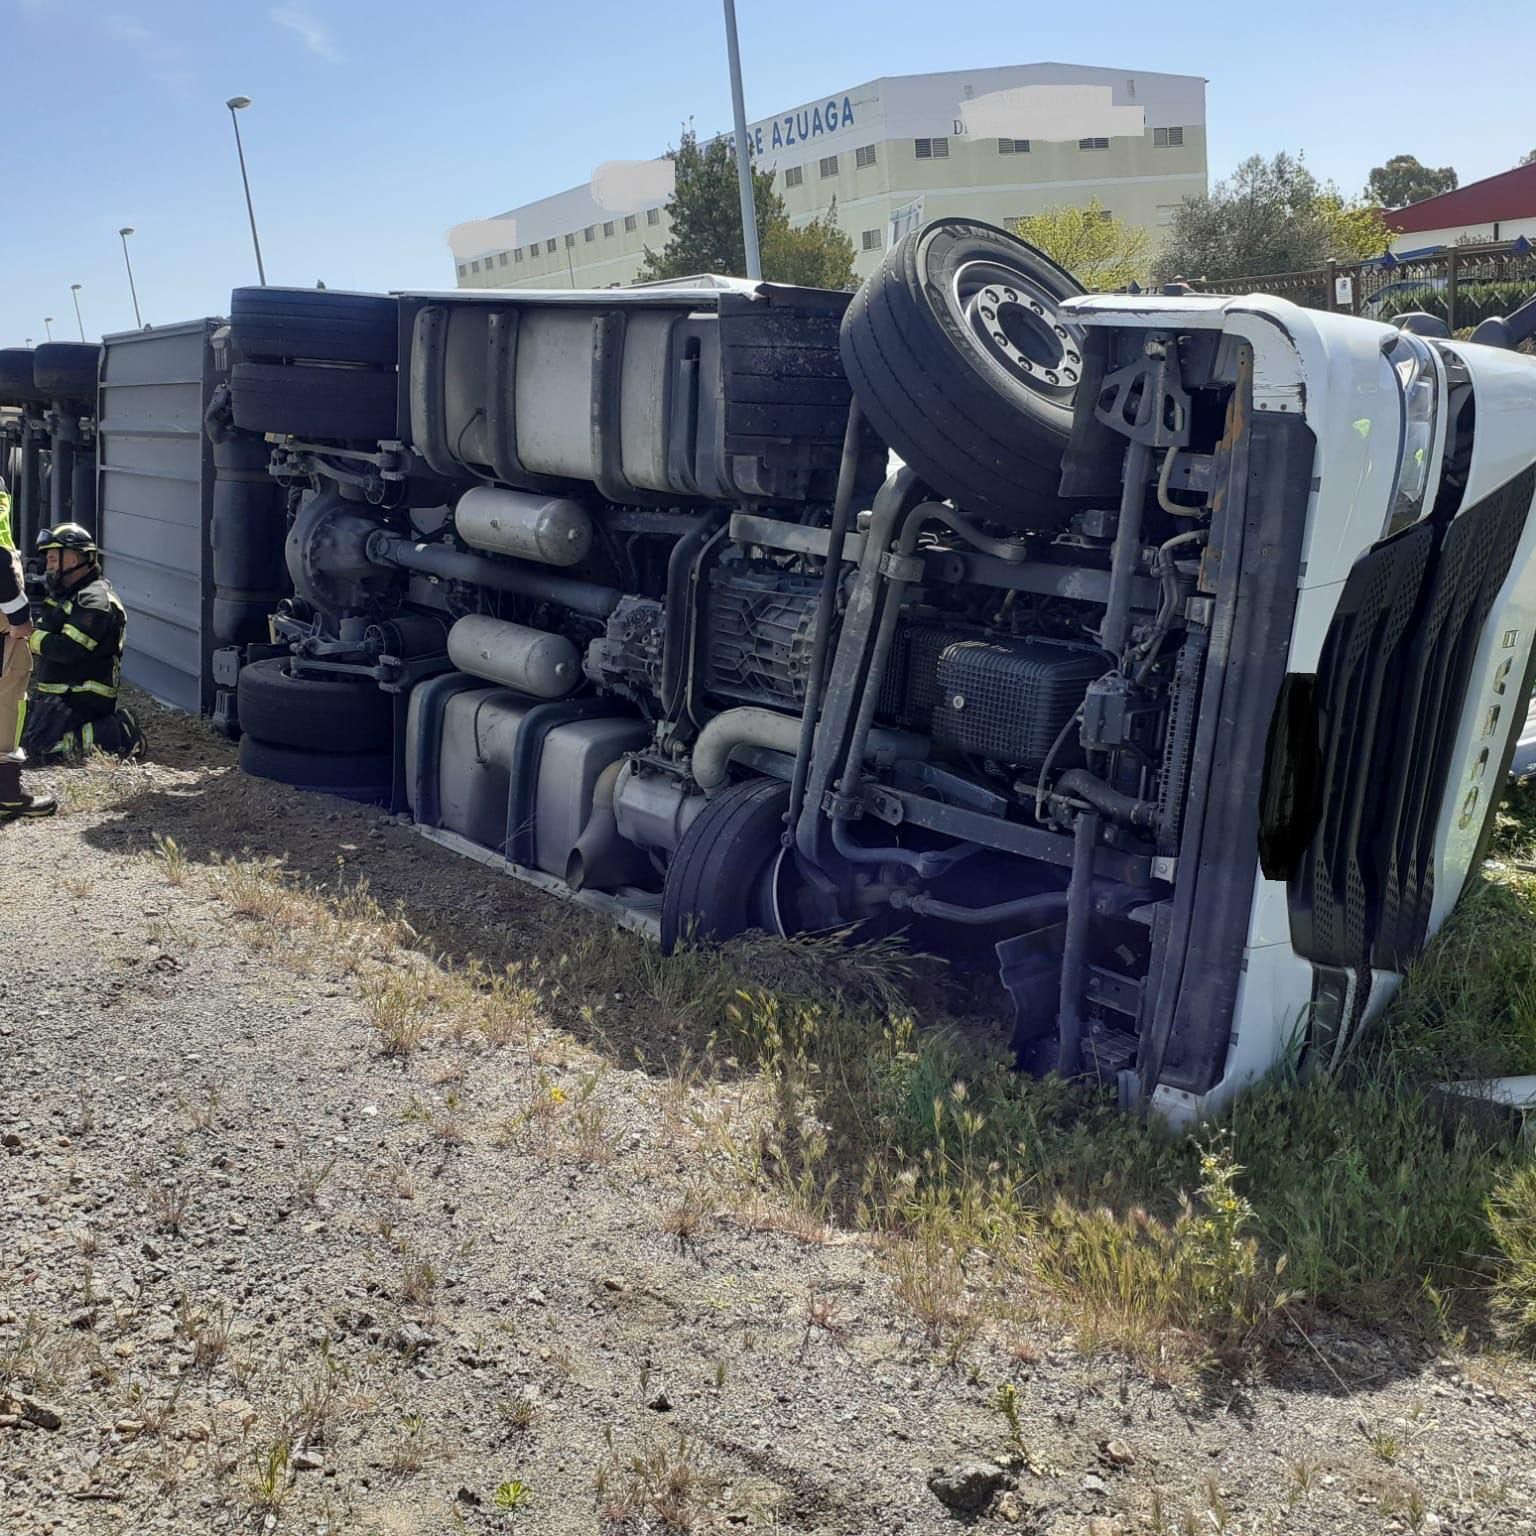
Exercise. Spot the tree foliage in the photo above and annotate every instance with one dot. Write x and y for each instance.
(1103, 253)
(1402, 180)
(814, 255)
(1268, 216)
(705, 235)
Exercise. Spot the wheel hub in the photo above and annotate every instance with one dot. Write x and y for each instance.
(1019, 327)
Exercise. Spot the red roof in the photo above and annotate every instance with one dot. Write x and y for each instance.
(1509, 195)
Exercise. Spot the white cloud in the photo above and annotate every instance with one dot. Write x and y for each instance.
(313, 32)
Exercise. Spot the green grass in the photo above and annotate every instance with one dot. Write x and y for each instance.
(1358, 1194)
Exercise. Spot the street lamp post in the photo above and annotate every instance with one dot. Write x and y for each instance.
(743, 149)
(74, 289)
(238, 104)
(48, 326)
(124, 232)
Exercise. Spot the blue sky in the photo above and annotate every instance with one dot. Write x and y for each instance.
(377, 124)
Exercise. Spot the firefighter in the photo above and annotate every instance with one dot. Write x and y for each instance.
(15, 669)
(77, 651)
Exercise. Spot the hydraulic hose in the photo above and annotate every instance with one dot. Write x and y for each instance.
(926, 865)
(1042, 908)
(1111, 802)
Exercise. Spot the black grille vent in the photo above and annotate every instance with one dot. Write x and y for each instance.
(1391, 689)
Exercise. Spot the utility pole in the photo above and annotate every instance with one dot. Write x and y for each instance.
(743, 149)
(124, 232)
(238, 104)
(74, 289)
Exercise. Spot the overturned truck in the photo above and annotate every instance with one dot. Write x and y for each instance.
(1164, 655)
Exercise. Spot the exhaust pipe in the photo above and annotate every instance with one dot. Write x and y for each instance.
(602, 858)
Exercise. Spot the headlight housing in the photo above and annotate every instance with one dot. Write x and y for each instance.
(1412, 359)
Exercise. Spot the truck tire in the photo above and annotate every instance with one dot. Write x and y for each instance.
(347, 403)
(365, 776)
(959, 355)
(719, 883)
(17, 386)
(321, 716)
(315, 325)
(66, 370)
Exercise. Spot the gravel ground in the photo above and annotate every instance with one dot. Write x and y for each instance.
(256, 1274)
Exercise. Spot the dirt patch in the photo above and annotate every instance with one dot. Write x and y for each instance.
(258, 1273)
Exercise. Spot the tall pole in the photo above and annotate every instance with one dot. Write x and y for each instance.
(74, 290)
(743, 149)
(48, 326)
(237, 104)
(124, 232)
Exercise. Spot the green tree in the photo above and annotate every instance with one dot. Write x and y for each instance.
(1268, 216)
(1402, 180)
(705, 236)
(814, 255)
(1356, 231)
(1103, 253)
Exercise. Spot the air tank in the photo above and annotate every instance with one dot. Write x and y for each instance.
(550, 529)
(530, 660)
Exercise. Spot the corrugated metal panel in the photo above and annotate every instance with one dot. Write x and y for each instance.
(154, 500)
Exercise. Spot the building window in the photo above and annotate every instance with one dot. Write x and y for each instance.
(629, 223)
(608, 230)
(829, 166)
(1105, 215)
(549, 247)
(533, 250)
(1093, 143)
(474, 266)
(517, 255)
(1013, 146)
(931, 149)
(463, 269)
(794, 176)
(1167, 138)
(864, 156)
(570, 240)
(1165, 213)
(589, 234)
(871, 240)
(653, 216)
(501, 259)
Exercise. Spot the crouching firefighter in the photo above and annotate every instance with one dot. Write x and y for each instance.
(15, 669)
(77, 655)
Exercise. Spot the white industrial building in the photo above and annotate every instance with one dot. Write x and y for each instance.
(993, 144)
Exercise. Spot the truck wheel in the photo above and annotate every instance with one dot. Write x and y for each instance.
(366, 776)
(350, 403)
(17, 386)
(66, 370)
(958, 352)
(315, 325)
(720, 881)
(322, 716)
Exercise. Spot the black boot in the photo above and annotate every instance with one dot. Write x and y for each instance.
(14, 803)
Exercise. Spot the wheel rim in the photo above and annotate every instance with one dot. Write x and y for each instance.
(1018, 325)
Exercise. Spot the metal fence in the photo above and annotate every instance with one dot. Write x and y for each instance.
(1461, 285)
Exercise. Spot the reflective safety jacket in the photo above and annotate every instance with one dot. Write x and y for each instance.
(78, 644)
(13, 596)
